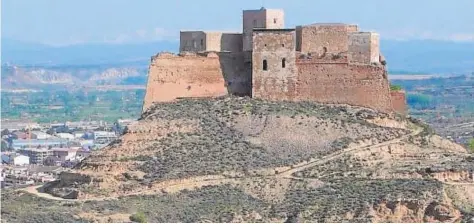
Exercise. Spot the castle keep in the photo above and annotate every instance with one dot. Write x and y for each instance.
(321, 62)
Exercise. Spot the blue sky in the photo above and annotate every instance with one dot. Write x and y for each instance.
(64, 22)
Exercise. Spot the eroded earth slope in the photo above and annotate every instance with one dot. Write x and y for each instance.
(245, 160)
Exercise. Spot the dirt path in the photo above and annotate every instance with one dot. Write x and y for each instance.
(171, 186)
(34, 190)
(289, 173)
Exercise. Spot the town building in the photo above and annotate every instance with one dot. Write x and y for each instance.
(104, 137)
(37, 155)
(40, 135)
(64, 153)
(38, 143)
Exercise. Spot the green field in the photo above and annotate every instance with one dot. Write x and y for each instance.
(60, 106)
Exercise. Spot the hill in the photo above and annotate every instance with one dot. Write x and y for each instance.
(47, 77)
(246, 160)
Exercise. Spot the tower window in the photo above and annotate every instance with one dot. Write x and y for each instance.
(265, 65)
(275, 20)
(202, 43)
(283, 62)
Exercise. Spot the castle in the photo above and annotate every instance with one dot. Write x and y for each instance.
(322, 62)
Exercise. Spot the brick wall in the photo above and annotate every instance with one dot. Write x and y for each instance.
(276, 49)
(359, 85)
(317, 38)
(196, 75)
(399, 103)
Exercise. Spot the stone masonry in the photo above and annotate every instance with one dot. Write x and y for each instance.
(321, 62)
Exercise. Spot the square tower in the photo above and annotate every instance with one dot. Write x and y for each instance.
(364, 47)
(261, 19)
(274, 72)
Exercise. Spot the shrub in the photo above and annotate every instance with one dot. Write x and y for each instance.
(471, 145)
(395, 87)
(138, 217)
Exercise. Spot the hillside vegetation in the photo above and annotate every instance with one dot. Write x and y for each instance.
(246, 160)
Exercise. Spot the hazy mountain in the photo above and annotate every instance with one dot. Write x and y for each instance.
(429, 56)
(20, 53)
(414, 56)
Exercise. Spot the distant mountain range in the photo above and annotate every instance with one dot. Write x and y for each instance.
(29, 54)
(127, 63)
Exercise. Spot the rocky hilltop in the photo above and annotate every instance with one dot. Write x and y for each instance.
(246, 160)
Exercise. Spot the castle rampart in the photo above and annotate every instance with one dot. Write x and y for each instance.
(360, 85)
(321, 62)
(207, 74)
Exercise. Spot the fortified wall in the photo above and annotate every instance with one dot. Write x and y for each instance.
(321, 62)
(209, 74)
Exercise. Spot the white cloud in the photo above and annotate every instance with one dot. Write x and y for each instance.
(142, 35)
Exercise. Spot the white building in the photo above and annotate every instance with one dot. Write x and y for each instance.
(66, 136)
(41, 135)
(104, 137)
(20, 160)
(65, 153)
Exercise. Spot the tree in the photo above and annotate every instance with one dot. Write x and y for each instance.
(471, 145)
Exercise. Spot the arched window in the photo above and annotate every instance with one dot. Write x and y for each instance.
(265, 65)
(283, 62)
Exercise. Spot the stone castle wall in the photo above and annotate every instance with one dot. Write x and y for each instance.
(399, 102)
(196, 75)
(320, 38)
(343, 83)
